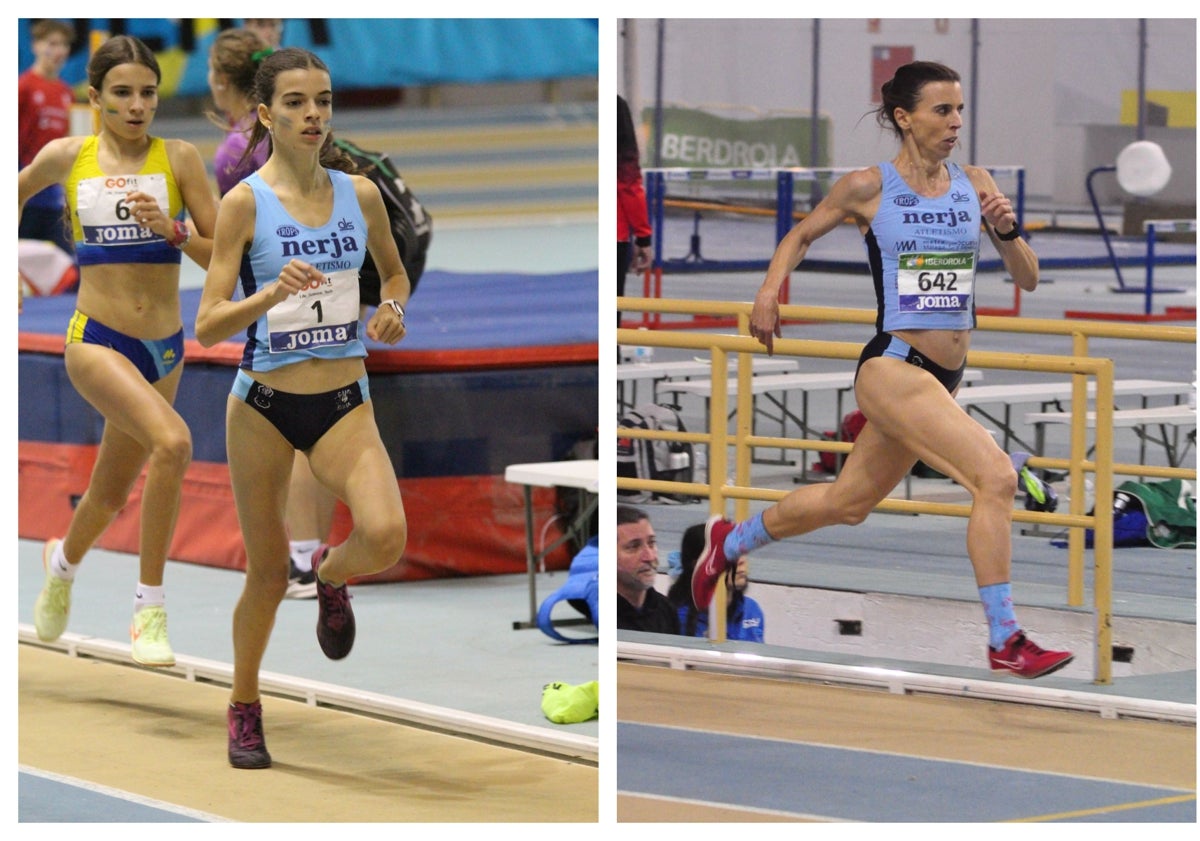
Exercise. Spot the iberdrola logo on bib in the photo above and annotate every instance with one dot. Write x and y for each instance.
(948, 261)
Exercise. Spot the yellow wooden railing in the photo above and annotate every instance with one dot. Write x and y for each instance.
(1079, 365)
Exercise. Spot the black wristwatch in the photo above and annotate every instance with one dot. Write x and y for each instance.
(1011, 235)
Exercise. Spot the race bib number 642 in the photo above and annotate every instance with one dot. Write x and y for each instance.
(935, 282)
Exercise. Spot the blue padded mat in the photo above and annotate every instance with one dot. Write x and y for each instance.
(449, 311)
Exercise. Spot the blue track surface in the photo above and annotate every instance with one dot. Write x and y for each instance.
(856, 785)
(60, 800)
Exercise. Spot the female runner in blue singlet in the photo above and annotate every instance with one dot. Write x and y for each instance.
(294, 235)
(920, 216)
(127, 192)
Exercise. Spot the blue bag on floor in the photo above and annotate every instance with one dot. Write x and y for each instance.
(581, 590)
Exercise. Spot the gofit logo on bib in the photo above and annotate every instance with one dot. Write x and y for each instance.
(935, 281)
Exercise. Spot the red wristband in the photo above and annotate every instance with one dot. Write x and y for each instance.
(182, 235)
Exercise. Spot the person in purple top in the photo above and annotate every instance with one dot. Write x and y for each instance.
(232, 62)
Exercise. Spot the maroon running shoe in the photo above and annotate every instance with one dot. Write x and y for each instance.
(335, 619)
(1023, 658)
(247, 747)
(711, 564)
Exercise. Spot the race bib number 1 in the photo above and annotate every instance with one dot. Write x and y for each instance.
(939, 282)
(323, 315)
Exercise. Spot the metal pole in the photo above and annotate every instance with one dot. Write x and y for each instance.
(658, 95)
(814, 141)
(1150, 236)
(1100, 221)
(1141, 100)
(632, 87)
(973, 107)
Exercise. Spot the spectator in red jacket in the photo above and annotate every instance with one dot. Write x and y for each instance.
(43, 114)
(633, 222)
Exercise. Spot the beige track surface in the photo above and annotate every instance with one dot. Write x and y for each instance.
(164, 738)
(1002, 734)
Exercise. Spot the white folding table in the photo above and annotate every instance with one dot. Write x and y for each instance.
(659, 372)
(1054, 394)
(580, 474)
(1169, 419)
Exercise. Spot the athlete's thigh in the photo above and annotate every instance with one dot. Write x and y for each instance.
(119, 392)
(260, 470)
(135, 412)
(352, 462)
(873, 468)
(912, 407)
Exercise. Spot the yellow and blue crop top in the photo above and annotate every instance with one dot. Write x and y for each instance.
(104, 229)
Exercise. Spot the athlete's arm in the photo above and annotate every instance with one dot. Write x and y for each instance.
(851, 197)
(385, 325)
(219, 316)
(1019, 259)
(49, 166)
(198, 198)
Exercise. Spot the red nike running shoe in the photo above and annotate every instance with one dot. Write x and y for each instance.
(711, 564)
(1023, 658)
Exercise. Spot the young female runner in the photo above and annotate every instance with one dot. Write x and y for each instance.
(295, 233)
(127, 191)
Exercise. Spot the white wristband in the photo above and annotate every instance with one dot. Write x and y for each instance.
(395, 305)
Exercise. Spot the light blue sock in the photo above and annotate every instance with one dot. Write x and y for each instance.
(746, 537)
(998, 607)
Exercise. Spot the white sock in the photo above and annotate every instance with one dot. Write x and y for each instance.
(147, 596)
(301, 551)
(59, 565)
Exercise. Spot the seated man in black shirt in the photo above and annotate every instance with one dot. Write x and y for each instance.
(639, 606)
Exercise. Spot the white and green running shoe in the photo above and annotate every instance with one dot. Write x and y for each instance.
(53, 605)
(148, 633)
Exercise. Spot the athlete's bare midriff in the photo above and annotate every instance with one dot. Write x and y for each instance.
(140, 300)
(313, 376)
(947, 348)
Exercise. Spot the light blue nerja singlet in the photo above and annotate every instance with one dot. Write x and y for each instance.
(320, 322)
(924, 253)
